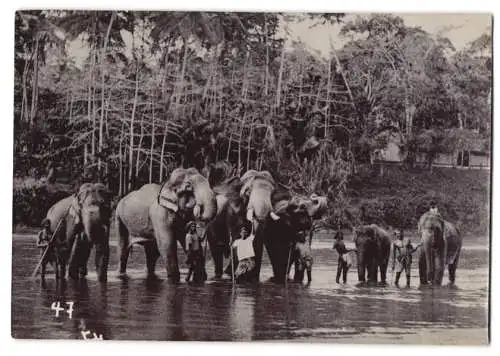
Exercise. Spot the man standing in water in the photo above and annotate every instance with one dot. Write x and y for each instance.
(344, 261)
(244, 252)
(402, 251)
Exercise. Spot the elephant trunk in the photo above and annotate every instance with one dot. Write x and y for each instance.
(92, 222)
(206, 202)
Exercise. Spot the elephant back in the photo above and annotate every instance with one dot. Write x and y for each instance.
(59, 211)
(133, 209)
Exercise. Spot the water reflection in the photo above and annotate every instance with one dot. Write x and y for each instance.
(138, 308)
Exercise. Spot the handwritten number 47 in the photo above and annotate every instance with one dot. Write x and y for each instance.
(57, 307)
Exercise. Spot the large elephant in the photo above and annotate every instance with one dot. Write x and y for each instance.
(85, 219)
(373, 245)
(296, 215)
(157, 215)
(441, 244)
(226, 226)
(248, 197)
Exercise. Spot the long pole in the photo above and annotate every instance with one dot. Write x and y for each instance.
(49, 245)
(232, 258)
(288, 264)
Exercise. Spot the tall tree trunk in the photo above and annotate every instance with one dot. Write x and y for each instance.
(280, 77)
(139, 148)
(328, 84)
(248, 145)
(266, 79)
(131, 135)
(180, 81)
(34, 83)
(120, 158)
(162, 154)
(24, 103)
(152, 143)
(103, 76)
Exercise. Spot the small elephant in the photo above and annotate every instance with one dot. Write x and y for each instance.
(303, 261)
(157, 215)
(441, 244)
(85, 219)
(296, 215)
(373, 248)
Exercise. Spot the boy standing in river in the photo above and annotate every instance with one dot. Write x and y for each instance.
(344, 261)
(244, 252)
(193, 247)
(402, 251)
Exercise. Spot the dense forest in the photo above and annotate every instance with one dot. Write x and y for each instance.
(195, 89)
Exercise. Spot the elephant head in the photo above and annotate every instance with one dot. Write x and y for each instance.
(373, 246)
(92, 208)
(256, 191)
(91, 212)
(188, 192)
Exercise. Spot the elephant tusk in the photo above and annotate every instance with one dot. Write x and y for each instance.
(273, 216)
(250, 214)
(196, 211)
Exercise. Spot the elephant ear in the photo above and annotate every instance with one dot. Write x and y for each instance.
(168, 196)
(74, 209)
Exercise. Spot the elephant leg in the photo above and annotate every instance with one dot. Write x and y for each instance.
(452, 268)
(429, 263)
(102, 250)
(372, 271)
(422, 268)
(83, 258)
(217, 253)
(168, 246)
(152, 255)
(73, 244)
(383, 272)
(361, 271)
(259, 249)
(123, 246)
(439, 266)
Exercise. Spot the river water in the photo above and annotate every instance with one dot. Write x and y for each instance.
(140, 309)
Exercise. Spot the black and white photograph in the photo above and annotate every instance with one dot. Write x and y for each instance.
(319, 177)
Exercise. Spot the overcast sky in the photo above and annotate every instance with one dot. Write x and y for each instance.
(459, 28)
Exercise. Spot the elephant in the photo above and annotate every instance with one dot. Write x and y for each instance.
(373, 245)
(240, 199)
(441, 244)
(226, 226)
(296, 215)
(85, 220)
(157, 215)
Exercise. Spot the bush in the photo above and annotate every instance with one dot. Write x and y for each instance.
(32, 199)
